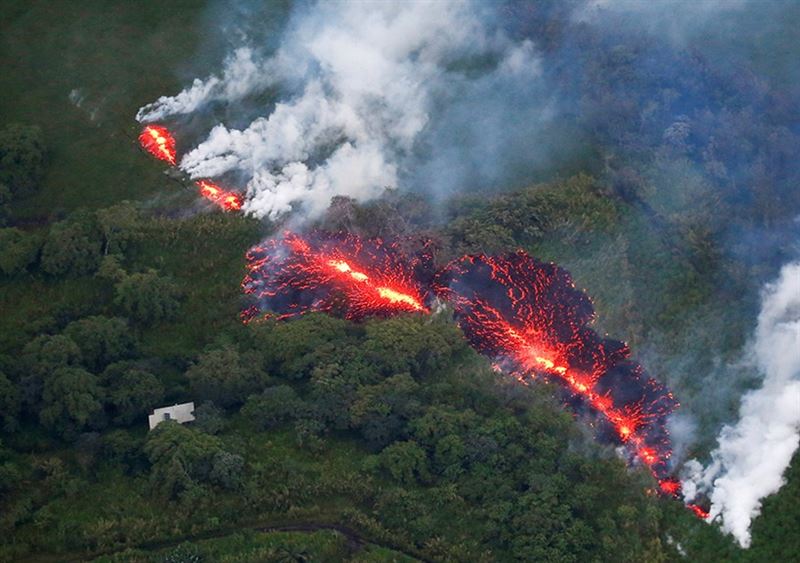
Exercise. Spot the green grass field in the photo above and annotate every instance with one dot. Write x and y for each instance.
(113, 57)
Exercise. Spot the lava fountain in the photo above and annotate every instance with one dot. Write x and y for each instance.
(159, 142)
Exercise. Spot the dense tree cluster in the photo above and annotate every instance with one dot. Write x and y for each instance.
(148, 297)
(181, 460)
(427, 415)
(73, 247)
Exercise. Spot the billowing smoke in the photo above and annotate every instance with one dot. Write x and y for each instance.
(241, 75)
(751, 457)
(359, 84)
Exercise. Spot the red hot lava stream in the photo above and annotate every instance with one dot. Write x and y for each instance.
(525, 315)
(340, 274)
(159, 142)
(528, 317)
(229, 201)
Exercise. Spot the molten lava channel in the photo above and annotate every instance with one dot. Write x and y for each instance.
(529, 319)
(388, 294)
(342, 273)
(159, 142)
(524, 315)
(227, 200)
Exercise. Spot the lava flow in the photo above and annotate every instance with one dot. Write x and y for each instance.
(525, 315)
(229, 201)
(528, 317)
(340, 274)
(159, 142)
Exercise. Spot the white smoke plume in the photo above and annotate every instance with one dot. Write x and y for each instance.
(358, 85)
(751, 456)
(242, 74)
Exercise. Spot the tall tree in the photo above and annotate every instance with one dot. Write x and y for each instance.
(406, 462)
(381, 412)
(148, 297)
(225, 377)
(71, 401)
(411, 344)
(102, 340)
(9, 402)
(73, 246)
(18, 250)
(120, 224)
(181, 458)
(273, 406)
(5, 204)
(40, 358)
(294, 349)
(132, 391)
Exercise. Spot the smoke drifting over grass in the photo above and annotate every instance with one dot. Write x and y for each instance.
(358, 85)
(241, 75)
(752, 455)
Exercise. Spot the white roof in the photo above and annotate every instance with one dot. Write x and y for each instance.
(180, 413)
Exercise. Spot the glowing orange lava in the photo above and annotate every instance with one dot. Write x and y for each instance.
(701, 513)
(229, 201)
(396, 297)
(344, 267)
(670, 486)
(342, 273)
(526, 316)
(529, 319)
(387, 293)
(159, 142)
(624, 421)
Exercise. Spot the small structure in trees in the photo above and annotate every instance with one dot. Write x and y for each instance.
(179, 413)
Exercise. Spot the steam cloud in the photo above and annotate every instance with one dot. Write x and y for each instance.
(751, 457)
(358, 85)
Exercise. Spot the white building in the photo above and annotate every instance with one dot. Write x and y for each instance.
(179, 413)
